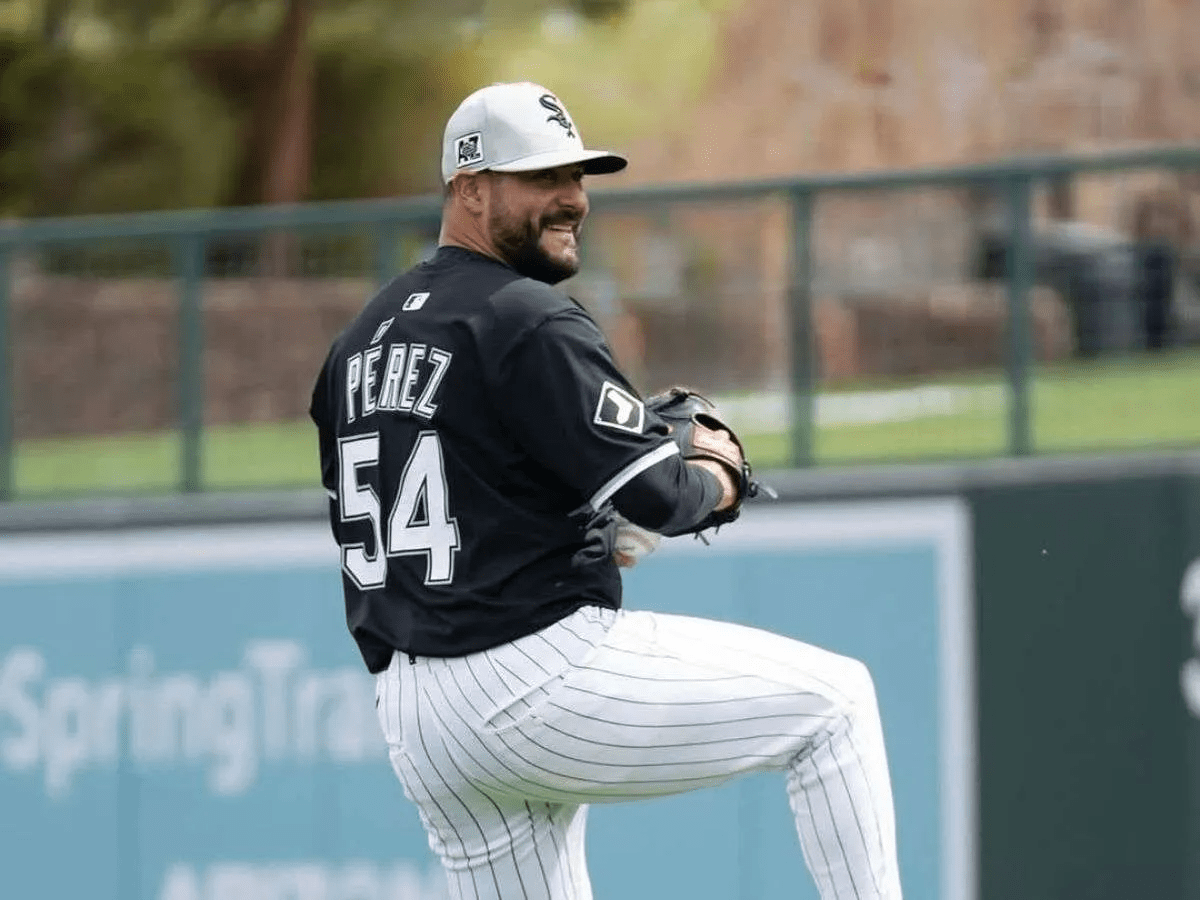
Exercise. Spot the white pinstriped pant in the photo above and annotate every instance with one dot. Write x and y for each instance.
(502, 750)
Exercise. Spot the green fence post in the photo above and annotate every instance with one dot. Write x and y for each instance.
(386, 234)
(1020, 342)
(800, 317)
(190, 264)
(7, 388)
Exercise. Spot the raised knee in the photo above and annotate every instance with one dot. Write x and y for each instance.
(855, 684)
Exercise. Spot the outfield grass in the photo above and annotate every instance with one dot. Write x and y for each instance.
(1110, 405)
(1119, 404)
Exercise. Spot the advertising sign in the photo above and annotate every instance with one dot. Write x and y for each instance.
(183, 715)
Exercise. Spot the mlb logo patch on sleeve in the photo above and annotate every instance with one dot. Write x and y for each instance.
(617, 408)
(415, 301)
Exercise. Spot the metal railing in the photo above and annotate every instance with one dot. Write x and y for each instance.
(1014, 192)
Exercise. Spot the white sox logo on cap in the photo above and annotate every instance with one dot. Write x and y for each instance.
(558, 114)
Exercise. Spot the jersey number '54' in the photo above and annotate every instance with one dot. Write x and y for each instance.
(419, 522)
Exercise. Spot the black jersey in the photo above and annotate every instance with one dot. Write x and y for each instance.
(464, 416)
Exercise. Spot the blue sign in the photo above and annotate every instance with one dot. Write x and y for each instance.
(183, 715)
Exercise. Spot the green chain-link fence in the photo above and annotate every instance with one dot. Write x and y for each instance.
(1039, 305)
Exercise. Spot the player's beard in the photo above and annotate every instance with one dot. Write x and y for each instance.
(520, 244)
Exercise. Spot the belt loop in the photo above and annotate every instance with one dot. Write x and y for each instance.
(412, 660)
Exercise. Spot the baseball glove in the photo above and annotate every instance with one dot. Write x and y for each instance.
(683, 410)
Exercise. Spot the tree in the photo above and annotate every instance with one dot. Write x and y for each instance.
(278, 154)
(161, 103)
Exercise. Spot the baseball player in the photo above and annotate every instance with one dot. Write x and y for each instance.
(481, 451)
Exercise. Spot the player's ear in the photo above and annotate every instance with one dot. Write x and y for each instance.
(469, 189)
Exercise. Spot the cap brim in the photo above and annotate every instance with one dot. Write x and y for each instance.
(595, 162)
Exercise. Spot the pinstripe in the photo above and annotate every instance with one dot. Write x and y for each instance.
(575, 852)
(564, 863)
(607, 706)
(874, 803)
(606, 764)
(449, 824)
(820, 843)
(499, 678)
(647, 750)
(668, 785)
(412, 774)
(466, 783)
(497, 664)
(720, 652)
(576, 776)
(563, 816)
(539, 789)
(833, 818)
(478, 683)
(542, 638)
(397, 728)
(457, 835)
(483, 746)
(387, 709)
(665, 745)
(527, 687)
(519, 780)
(463, 778)
(831, 748)
(645, 754)
(699, 722)
(535, 839)
(525, 653)
(516, 777)
(575, 634)
(383, 704)
(841, 770)
(675, 680)
(641, 654)
(707, 702)
(803, 822)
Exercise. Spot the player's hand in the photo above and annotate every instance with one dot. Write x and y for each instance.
(705, 438)
(721, 443)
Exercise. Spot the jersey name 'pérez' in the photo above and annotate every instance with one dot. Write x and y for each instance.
(379, 381)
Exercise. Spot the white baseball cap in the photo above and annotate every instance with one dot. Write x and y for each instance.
(517, 127)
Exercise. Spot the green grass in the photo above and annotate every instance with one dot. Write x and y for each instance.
(234, 457)
(1120, 404)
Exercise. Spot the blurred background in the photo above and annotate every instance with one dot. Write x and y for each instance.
(928, 255)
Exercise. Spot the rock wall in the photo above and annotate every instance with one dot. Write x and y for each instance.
(847, 85)
(97, 356)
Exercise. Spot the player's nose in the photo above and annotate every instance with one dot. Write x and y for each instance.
(572, 198)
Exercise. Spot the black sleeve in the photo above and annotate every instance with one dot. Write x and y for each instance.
(671, 497)
(561, 395)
